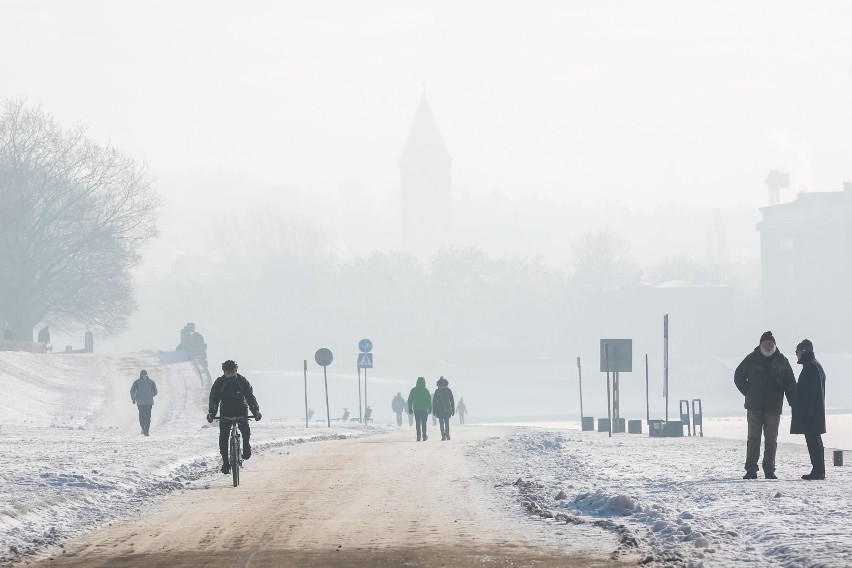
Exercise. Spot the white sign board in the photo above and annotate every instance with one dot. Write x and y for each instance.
(365, 360)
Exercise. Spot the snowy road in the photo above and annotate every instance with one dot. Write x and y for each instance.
(378, 501)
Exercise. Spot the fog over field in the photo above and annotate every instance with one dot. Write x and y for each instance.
(483, 189)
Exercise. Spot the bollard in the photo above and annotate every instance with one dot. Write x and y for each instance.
(634, 426)
(603, 425)
(838, 457)
(697, 422)
(588, 423)
(684, 416)
(620, 426)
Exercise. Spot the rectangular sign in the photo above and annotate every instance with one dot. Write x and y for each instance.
(365, 360)
(620, 353)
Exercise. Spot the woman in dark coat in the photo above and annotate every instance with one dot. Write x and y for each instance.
(443, 406)
(809, 407)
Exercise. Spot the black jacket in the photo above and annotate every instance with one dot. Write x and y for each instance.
(764, 383)
(235, 395)
(443, 404)
(809, 402)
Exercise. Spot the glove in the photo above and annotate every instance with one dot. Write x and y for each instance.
(257, 415)
(210, 417)
(132, 401)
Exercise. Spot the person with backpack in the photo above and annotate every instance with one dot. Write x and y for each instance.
(233, 396)
(142, 393)
(443, 406)
(420, 404)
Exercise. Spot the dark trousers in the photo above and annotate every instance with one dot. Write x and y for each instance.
(420, 418)
(444, 423)
(225, 433)
(399, 417)
(817, 453)
(144, 417)
(766, 423)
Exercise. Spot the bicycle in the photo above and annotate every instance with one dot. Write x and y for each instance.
(235, 448)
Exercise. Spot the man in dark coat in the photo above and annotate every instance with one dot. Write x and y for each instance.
(142, 393)
(443, 406)
(764, 377)
(809, 407)
(236, 396)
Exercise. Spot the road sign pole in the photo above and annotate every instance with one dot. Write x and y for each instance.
(327, 411)
(580, 373)
(608, 398)
(365, 389)
(306, 393)
(647, 395)
(360, 413)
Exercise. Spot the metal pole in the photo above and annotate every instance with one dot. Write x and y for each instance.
(327, 411)
(365, 389)
(666, 362)
(580, 373)
(608, 408)
(647, 395)
(360, 413)
(306, 393)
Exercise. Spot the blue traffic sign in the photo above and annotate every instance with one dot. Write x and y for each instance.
(365, 345)
(365, 360)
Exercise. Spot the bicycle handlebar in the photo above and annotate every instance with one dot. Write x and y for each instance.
(234, 418)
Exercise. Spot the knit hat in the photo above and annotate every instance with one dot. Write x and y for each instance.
(442, 382)
(805, 346)
(143, 373)
(767, 335)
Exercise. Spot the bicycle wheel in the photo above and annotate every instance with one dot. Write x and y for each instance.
(235, 459)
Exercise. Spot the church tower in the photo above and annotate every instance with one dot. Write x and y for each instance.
(425, 185)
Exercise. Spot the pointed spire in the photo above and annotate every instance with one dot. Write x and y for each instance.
(424, 138)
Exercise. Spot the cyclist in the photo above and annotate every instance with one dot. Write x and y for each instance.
(235, 394)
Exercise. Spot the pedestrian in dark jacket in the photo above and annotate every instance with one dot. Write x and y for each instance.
(398, 406)
(233, 396)
(443, 406)
(142, 393)
(420, 404)
(764, 377)
(809, 407)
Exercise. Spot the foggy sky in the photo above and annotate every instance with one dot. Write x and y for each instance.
(592, 102)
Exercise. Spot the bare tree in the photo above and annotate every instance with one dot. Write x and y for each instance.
(602, 260)
(74, 217)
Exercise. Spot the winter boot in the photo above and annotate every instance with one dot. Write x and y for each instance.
(246, 451)
(226, 468)
(750, 475)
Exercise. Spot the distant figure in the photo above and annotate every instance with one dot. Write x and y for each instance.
(236, 396)
(142, 394)
(420, 404)
(398, 406)
(443, 406)
(44, 337)
(7, 334)
(461, 410)
(809, 407)
(764, 377)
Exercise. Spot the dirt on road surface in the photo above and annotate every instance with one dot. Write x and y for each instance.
(379, 501)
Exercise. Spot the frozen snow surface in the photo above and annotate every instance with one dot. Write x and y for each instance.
(72, 456)
(677, 501)
(72, 459)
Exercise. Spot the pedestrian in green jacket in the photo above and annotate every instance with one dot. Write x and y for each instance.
(420, 404)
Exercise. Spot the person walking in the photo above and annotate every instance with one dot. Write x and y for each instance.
(420, 404)
(44, 337)
(443, 406)
(809, 407)
(398, 406)
(142, 394)
(461, 410)
(764, 377)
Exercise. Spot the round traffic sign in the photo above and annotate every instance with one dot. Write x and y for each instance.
(323, 357)
(365, 345)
